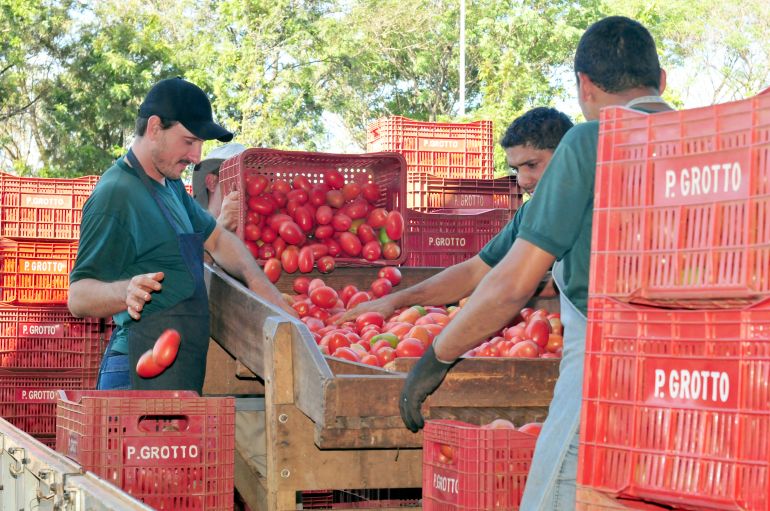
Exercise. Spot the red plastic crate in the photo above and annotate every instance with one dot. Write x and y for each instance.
(42, 208)
(388, 170)
(171, 449)
(28, 399)
(676, 405)
(487, 470)
(35, 273)
(50, 338)
(447, 237)
(428, 193)
(451, 150)
(682, 205)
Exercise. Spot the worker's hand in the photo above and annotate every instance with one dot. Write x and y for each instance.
(139, 292)
(382, 305)
(228, 215)
(424, 378)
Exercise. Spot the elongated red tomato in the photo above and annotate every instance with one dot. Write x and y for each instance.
(350, 243)
(371, 251)
(351, 190)
(256, 185)
(289, 259)
(291, 233)
(146, 367)
(326, 263)
(273, 269)
(301, 285)
(324, 214)
(301, 182)
(276, 221)
(166, 347)
(394, 225)
(371, 192)
(391, 273)
(334, 179)
(303, 218)
(324, 296)
(306, 259)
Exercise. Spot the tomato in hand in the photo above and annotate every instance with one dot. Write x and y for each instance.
(166, 347)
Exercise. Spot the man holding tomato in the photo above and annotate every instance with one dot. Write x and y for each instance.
(616, 63)
(529, 143)
(140, 257)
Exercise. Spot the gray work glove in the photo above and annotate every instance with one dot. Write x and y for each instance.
(424, 378)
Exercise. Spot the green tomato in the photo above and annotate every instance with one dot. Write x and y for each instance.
(384, 236)
(388, 336)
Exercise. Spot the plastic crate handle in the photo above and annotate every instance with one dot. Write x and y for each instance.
(159, 423)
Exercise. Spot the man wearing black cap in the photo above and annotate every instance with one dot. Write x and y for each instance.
(140, 257)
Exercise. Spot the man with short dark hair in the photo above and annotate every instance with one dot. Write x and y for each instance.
(616, 63)
(529, 143)
(142, 240)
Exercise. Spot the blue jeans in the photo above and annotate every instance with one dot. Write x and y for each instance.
(113, 373)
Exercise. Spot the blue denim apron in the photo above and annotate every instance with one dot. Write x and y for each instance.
(190, 317)
(551, 480)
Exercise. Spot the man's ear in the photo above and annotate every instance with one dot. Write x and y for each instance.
(586, 88)
(212, 180)
(662, 82)
(153, 126)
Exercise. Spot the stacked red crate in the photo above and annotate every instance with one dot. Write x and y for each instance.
(676, 406)
(449, 166)
(42, 347)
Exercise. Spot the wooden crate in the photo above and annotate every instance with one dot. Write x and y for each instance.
(336, 424)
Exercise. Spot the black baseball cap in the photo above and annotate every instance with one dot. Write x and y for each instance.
(176, 99)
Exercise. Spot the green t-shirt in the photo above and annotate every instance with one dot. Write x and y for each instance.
(561, 212)
(494, 251)
(123, 233)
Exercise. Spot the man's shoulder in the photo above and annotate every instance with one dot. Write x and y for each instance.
(581, 132)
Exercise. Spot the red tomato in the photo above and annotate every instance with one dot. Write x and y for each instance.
(370, 359)
(324, 296)
(532, 428)
(146, 367)
(371, 192)
(256, 185)
(499, 424)
(377, 218)
(356, 210)
(334, 247)
(377, 345)
(303, 218)
(324, 214)
(305, 260)
(252, 232)
(281, 185)
(351, 190)
(315, 284)
(301, 285)
(391, 273)
(318, 250)
(347, 292)
(253, 248)
(556, 325)
(355, 224)
(341, 222)
(369, 318)
(266, 251)
(381, 287)
(555, 343)
(289, 259)
(488, 349)
(165, 349)
(394, 225)
(366, 234)
(371, 251)
(410, 347)
(269, 235)
(252, 217)
(318, 195)
(334, 179)
(301, 182)
(526, 312)
(360, 297)
(323, 232)
(524, 349)
(350, 244)
(280, 199)
(326, 263)
(538, 330)
(273, 269)
(302, 307)
(368, 333)
(291, 233)
(300, 196)
(313, 324)
(319, 312)
(263, 205)
(346, 354)
(385, 355)
(391, 250)
(335, 339)
(279, 245)
(335, 199)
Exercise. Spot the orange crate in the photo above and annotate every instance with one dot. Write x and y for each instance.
(487, 468)
(682, 205)
(388, 170)
(35, 273)
(50, 338)
(427, 193)
(170, 449)
(449, 150)
(449, 236)
(42, 208)
(28, 398)
(676, 405)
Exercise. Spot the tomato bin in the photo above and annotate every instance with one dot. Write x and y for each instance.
(428, 193)
(299, 210)
(33, 272)
(474, 468)
(173, 450)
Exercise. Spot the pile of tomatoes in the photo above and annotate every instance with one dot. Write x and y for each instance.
(299, 225)
(376, 340)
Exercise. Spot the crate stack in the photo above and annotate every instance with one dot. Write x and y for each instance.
(676, 407)
(42, 347)
(455, 206)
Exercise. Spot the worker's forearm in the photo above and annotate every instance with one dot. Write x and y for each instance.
(90, 297)
(448, 286)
